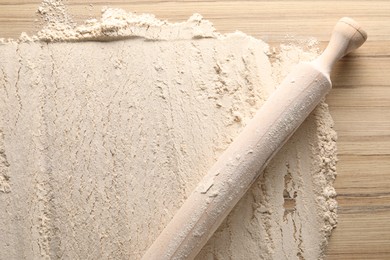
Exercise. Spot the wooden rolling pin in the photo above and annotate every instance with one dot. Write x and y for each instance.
(239, 166)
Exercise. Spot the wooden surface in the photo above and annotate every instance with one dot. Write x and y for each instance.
(359, 102)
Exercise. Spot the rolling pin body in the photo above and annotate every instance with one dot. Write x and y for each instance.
(239, 166)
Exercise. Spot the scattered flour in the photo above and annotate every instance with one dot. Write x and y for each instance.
(106, 127)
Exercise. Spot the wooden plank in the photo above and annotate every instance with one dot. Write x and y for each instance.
(358, 236)
(359, 102)
(354, 121)
(361, 71)
(359, 96)
(363, 175)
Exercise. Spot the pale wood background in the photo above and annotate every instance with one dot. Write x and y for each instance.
(359, 102)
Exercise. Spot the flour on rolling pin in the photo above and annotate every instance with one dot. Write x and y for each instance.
(107, 127)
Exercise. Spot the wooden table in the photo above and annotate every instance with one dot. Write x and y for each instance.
(359, 102)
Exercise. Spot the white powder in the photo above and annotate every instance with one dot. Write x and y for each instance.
(106, 127)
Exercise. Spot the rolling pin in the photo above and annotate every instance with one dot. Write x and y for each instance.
(243, 161)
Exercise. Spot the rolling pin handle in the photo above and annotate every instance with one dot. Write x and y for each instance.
(346, 37)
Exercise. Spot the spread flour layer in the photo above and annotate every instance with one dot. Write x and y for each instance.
(107, 127)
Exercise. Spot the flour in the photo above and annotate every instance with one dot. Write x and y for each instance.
(107, 127)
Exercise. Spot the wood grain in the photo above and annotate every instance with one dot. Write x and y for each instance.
(359, 102)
